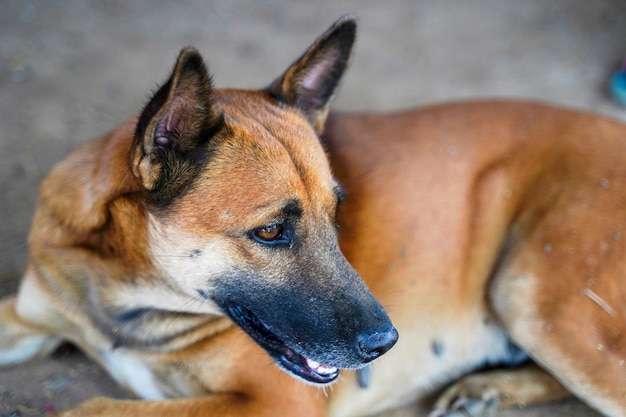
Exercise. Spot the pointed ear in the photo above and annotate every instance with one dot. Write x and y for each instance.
(310, 82)
(173, 130)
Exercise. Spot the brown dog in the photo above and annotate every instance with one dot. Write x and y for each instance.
(481, 227)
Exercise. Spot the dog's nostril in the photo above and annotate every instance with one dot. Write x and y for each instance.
(373, 345)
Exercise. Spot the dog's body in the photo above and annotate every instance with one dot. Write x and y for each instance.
(492, 217)
(480, 227)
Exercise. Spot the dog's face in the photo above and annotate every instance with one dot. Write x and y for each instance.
(242, 211)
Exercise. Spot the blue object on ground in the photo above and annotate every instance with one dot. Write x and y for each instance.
(617, 85)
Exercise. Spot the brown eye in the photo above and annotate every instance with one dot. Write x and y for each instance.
(270, 233)
(275, 235)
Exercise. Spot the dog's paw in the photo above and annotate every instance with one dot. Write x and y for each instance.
(467, 398)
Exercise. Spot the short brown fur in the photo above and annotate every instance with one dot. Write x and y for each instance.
(492, 232)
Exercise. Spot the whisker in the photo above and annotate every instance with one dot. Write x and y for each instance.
(197, 299)
(326, 389)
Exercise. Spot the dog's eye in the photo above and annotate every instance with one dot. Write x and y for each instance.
(270, 233)
(275, 234)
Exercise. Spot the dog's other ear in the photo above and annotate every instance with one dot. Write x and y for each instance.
(310, 82)
(174, 128)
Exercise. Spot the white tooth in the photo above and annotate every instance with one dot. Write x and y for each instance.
(323, 369)
(312, 364)
(319, 368)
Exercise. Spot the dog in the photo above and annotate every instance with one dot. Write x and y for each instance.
(197, 246)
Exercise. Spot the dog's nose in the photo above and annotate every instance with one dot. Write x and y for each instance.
(372, 345)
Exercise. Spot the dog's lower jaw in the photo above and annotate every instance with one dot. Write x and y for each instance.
(297, 365)
(306, 369)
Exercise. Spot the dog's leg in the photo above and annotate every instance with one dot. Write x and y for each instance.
(20, 340)
(480, 394)
(222, 405)
(572, 325)
(24, 333)
(266, 400)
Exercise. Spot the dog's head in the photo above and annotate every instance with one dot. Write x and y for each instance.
(242, 205)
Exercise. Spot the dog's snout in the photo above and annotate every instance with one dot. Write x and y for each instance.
(374, 344)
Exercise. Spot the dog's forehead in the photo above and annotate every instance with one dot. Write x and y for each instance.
(275, 129)
(270, 156)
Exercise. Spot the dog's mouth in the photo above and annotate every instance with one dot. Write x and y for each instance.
(301, 366)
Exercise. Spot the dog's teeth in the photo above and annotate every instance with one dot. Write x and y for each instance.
(323, 369)
(312, 364)
(319, 368)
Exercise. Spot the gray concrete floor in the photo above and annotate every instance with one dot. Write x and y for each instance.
(71, 70)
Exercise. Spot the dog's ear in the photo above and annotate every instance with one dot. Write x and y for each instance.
(174, 128)
(310, 82)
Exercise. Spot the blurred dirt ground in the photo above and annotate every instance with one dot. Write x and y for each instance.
(71, 70)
